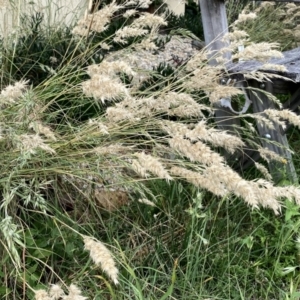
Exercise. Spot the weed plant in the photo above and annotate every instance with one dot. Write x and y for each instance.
(113, 185)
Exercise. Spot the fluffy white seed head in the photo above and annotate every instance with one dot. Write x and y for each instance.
(101, 256)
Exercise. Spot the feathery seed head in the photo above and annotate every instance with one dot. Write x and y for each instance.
(98, 21)
(221, 91)
(279, 68)
(290, 5)
(101, 127)
(259, 51)
(56, 292)
(74, 293)
(196, 151)
(215, 137)
(269, 155)
(276, 116)
(140, 170)
(147, 202)
(102, 257)
(204, 78)
(149, 21)
(119, 114)
(11, 93)
(110, 68)
(30, 142)
(114, 149)
(81, 31)
(129, 13)
(244, 17)
(53, 60)
(236, 35)
(201, 180)
(199, 61)
(138, 3)
(174, 128)
(104, 46)
(104, 88)
(182, 105)
(42, 295)
(144, 3)
(262, 120)
(264, 171)
(128, 32)
(267, 4)
(146, 44)
(39, 128)
(153, 165)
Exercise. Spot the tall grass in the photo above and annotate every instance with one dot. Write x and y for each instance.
(113, 186)
(265, 26)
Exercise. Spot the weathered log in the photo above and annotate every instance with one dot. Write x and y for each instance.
(215, 26)
(273, 139)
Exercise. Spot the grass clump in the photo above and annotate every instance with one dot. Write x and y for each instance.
(97, 157)
(274, 22)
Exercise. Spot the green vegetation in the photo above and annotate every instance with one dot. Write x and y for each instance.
(265, 26)
(90, 156)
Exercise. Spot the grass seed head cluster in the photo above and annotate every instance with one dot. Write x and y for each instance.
(262, 23)
(186, 142)
(55, 292)
(168, 134)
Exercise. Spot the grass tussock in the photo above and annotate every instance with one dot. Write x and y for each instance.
(272, 22)
(133, 169)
